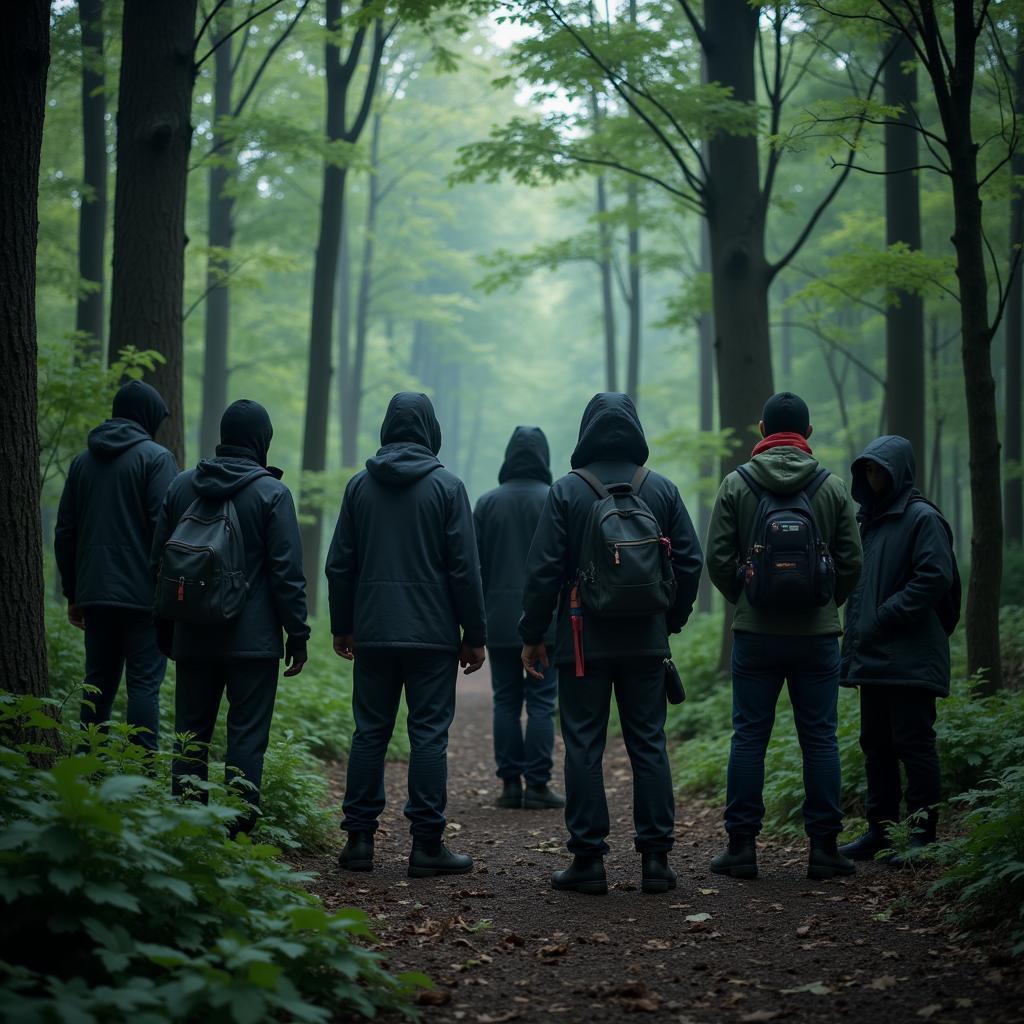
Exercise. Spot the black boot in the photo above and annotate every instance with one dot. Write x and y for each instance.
(358, 852)
(430, 858)
(921, 838)
(585, 874)
(511, 794)
(542, 798)
(656, 875)
(740, 859)
(826, 861)
(868, 845)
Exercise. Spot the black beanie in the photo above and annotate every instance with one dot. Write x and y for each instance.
(246, 425)
(786, 413)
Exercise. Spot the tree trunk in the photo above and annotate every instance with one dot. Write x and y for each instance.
(635, 305)
(344, 334)
(604, 236)
(92, 214)
(786, 344)
(154, 133)
(24, 57)
(938, 418)
(904, 323)
(220, 214)
(705, 405)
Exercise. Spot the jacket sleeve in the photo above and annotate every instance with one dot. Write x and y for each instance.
(163, 528)
(464, 569)
(931, 576)
(343, 570)
(723, 545)
(284, 565)
(65, 547)
(687, 563)
(846, 551)
(162, 471)
(545, 570)
(478, 529)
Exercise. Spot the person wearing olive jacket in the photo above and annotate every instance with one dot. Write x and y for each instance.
(621, 655)
(896, 650)
(773, 646)
(505, 520)
(105, 522)
(407, 606)
(241, 657)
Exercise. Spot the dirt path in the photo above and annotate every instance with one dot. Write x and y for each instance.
(502, 946)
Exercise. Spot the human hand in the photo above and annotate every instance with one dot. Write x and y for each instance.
(294, 656)
(471, 658)
(532, 654)
(343, 647)
(76, 616)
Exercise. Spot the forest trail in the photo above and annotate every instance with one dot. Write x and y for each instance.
(502, 946)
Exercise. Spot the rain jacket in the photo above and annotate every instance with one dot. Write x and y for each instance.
(611, 445)
(110, 504)
(893, 635)
(784, 470)
(505, 520)
(403, 569)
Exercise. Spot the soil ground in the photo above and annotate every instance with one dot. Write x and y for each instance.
(502, 946)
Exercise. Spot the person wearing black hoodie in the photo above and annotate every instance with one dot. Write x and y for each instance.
(105, 522)
(241, 657)
(505, 520)
(896, 650)
(622, 655)
(407, 606)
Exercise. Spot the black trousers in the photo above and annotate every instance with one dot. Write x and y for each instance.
(897, 727)
(251, 688)
(639, 687)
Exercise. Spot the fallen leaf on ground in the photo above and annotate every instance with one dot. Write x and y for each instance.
(601, 938)
(548, 951)
(698, 918)
(658, 944)
(930, 1010)
(882, 982)
(818, 988)
(434, 997)
(497, 1018)
(760, 1015)
(708, 892)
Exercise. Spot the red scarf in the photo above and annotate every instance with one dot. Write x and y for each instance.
(782, 440)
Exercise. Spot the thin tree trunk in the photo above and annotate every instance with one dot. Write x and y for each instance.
(635, 305)
(786, 344)
(24, 58)
(938, 418)
(604, 236)
(344, 334)
(706, 412)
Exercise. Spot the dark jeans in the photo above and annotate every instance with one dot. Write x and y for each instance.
(760, 665)
(897, 725)
(121, 640)
(428, 678)
(639, 686)
(251, 687)
(520, 752)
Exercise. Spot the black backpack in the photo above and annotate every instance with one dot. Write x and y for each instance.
(788, 566)
(201, 577)
(948, 608)
(625, 568)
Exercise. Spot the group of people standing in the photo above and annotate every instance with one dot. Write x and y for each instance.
(572, 588)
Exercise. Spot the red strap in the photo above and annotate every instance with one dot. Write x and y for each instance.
(576, 617)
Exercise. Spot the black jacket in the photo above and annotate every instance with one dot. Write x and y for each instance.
(403, 569)
(893, 634)
(505, 520)
(611, 444)
(273, 560)
(110, 504)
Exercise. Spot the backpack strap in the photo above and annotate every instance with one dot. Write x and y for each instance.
(748, 478)
(639, 478)
(592, 481)
(816, 481)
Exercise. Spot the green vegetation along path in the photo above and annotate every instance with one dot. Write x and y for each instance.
(502, 946)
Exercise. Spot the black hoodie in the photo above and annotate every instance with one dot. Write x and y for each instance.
(403, 569)
(110, 504)
(505, 520)
(893, 635)
(611, 445)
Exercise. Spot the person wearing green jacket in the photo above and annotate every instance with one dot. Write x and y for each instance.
(773, 645)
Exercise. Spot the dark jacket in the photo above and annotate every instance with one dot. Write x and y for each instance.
(110, 504)
(611, 445)
(403, 569)
(505, 520)
(893, 634)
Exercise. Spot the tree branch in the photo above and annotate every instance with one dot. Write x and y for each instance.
(227, 35)
(268, 56)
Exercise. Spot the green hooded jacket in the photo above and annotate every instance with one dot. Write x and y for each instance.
(783, 470)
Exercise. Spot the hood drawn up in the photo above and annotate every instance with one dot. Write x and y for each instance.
(895, 455)
(527, 456)
(245, 432)
(410, 438)
(141, 403)
(610, 431)
(112, 437)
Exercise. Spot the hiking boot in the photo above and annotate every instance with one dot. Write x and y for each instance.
(826, 861)
(429, 859)
(922, 837)
(358, 852)
(542, 798)
(584, 874)
(740, 859)
(656, 875)
(511, 794)
(868, 845)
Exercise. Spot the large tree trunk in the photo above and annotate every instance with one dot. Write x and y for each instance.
(92, 214)
(24, 57)
(154, 133)
(344, 330)
(904, 323)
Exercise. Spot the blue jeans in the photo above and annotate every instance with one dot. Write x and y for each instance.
(760, 665)
(517, 752)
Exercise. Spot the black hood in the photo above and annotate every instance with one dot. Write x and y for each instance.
(245, 432)
(895, 455)
(112, 437)
(224, 476)
(527, 456)
(141, 403)
(610, 431)
(410, 439)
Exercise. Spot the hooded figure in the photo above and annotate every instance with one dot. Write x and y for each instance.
(623, 654)
(405, 596)
(105, 523)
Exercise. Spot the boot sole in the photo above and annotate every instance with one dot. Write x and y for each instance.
(821, 873)
(356, 865)
(587, 888)
(746, 871)
(656, 886)
(435, 872)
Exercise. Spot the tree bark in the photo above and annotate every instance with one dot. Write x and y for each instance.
(344, 330)
(154, 134)
(92, 214)
(604, 262)
(635, 305)
(24, 58)
(706, 410)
